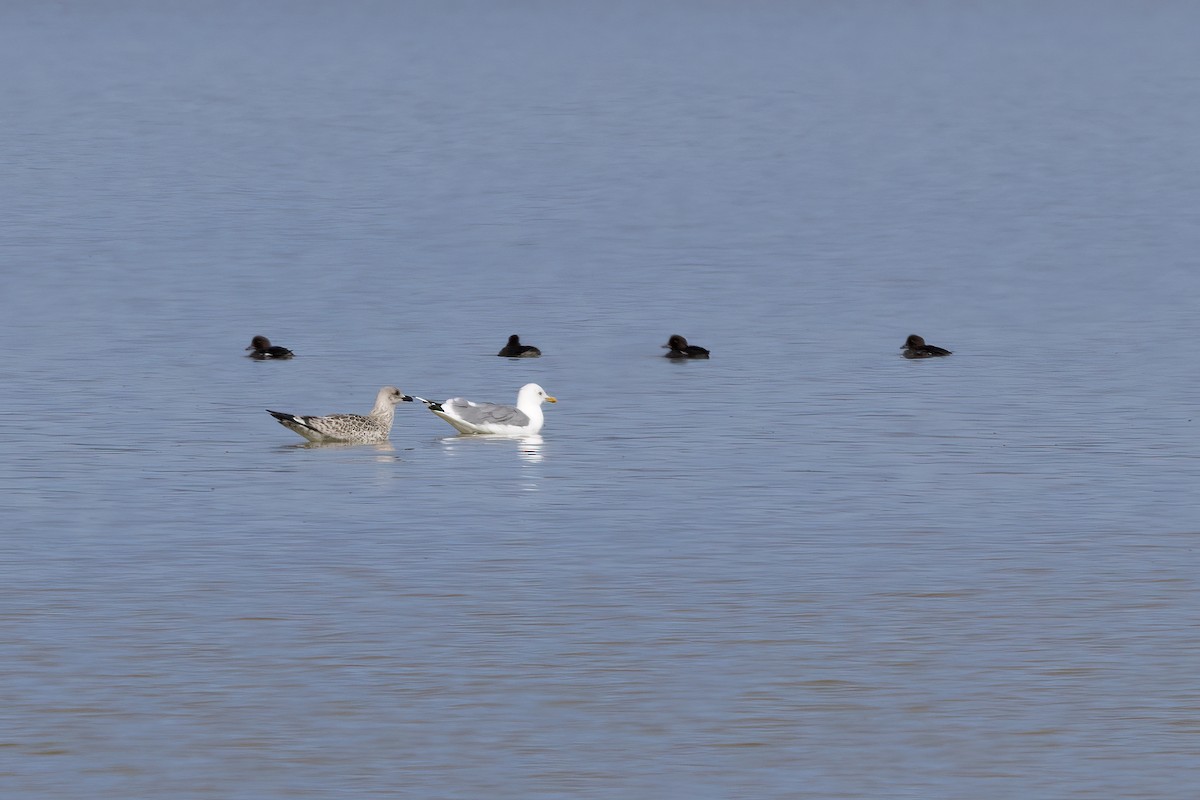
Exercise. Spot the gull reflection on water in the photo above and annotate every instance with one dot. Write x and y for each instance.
(528, 449)
(383, 447)
(380, 447)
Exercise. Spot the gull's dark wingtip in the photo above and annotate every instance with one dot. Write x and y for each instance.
(430, 404)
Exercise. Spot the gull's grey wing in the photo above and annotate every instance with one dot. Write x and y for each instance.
(486, 413)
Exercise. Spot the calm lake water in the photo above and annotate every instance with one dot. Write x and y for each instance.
(805, 568)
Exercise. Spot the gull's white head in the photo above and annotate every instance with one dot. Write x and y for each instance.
(532, 393)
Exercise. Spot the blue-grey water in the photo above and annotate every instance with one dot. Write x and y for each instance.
(805, 568)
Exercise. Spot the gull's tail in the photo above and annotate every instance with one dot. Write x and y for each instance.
(292, 421)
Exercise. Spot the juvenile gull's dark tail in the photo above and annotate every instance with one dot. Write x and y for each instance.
(292, 418)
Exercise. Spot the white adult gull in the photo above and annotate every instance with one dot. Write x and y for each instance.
(353, 428)
(523, 419)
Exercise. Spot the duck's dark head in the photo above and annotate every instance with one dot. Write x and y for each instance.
(914, 341)
(676, 342)
(259, 343)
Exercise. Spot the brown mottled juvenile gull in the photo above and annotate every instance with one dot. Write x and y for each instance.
(525, 418)
(355, 428)
(263, 349)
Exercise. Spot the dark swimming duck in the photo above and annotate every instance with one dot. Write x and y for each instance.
(514, 349)
(915, 347)
(263, 349)
(678, 347)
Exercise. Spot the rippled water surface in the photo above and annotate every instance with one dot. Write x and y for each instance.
(805, 568)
